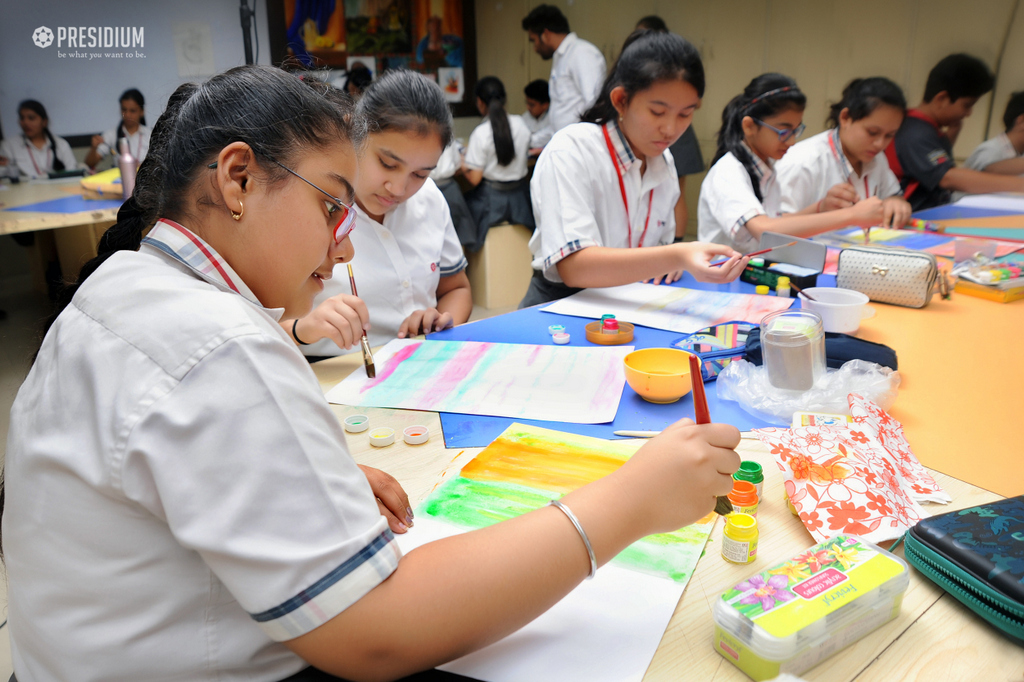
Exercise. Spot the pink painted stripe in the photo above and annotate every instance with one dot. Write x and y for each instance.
(209, 256)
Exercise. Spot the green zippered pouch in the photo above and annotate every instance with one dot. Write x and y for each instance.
(977, 555)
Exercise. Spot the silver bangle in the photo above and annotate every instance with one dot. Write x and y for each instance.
(583, 534)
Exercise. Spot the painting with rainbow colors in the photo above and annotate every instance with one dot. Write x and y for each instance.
(582, 385)
(527, 466)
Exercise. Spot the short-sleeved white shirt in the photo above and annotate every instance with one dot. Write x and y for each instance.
(449, 164)
(999, 148)
(727, 202)
(25, 158)
(578, 203)
(480, 154)
(180, 498)
(138, 143)
(810, 168)
(397, 265)
(577, 72)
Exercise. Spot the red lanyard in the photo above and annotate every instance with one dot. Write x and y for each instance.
(32, 158)
(843, 162)
(622, 189)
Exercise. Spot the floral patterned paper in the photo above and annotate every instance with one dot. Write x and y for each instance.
(845, 480)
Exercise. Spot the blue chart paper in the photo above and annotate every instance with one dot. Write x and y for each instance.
(635, 413)
(70, 204)
(954, 212)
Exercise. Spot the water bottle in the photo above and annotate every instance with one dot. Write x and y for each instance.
(126, 162)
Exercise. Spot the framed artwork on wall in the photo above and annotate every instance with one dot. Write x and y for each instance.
(434, 37)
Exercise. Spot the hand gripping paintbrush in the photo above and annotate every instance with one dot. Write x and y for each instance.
(367, 355)
(701, 415)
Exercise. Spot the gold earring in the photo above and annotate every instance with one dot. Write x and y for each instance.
(238, 216)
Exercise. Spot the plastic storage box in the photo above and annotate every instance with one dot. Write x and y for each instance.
(796, 614)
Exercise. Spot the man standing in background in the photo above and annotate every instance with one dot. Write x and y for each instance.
(578, 68)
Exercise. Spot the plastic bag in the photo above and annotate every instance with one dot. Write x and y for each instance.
(748, 385)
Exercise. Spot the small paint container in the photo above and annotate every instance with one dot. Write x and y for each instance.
(792, 616)
(561, 338)
(610, 326)
(739, 539)
(751, 471)
(556, 329)
(762, 289)
(357, 423)
(382, 437)
(416, 435)
(744, 497)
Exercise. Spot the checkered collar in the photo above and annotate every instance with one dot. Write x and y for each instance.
(186, 247)
(621, 146)
(764, 171)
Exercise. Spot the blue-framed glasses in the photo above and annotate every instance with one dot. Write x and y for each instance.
(784, 133)
(346, 212)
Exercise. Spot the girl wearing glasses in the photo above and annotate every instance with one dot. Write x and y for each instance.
(740, 197)
(196, 515)
(604, 190)
(409, 263)
(849, 157)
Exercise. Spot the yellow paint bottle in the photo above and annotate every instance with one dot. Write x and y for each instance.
(739, 539)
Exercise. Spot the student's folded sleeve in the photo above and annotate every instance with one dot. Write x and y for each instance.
(272, 502)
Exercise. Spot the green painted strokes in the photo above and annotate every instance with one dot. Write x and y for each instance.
(477, 504)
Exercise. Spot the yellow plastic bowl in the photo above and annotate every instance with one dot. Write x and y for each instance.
(659, 375)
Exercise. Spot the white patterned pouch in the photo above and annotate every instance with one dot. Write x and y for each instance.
(889, 274)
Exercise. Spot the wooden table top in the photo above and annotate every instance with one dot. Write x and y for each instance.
(25, 192)
(933, 638)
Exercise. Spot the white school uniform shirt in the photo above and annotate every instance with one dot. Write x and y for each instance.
(480, 154)
(810, 168)
(578, 203)
(397, 265)
(449, 164)
(577, 71)
(999, 148)
(727, 202)
(540, 128)
(25, 158)
(180, 499)
(138, 143)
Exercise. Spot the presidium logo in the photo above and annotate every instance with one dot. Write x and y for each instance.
(92, 37)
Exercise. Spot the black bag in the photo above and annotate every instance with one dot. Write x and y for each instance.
(839, 349)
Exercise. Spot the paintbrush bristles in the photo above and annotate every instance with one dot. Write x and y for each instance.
(723, 506)
(371, 371)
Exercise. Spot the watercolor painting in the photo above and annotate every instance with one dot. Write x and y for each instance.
(948, 250)
(676, 309)
(527, 466)
(582, 385)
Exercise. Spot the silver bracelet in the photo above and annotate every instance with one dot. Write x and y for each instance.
(583, 534)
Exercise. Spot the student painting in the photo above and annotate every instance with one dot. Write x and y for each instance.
(577, 70)
(496, 161)
(604, 190)
(410, 270)
(197, 516)
(36, 152)
(921, 155)
(131, 128)
(849, 157)
(1003, 153)
(740, 197)
(538, 104)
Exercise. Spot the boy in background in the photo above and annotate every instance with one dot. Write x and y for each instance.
(538, 101)
(1002, 154)
(921, 155)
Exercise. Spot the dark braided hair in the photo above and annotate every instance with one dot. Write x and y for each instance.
(766, 95)
(277, 114)
(135, 96)
(40, 111)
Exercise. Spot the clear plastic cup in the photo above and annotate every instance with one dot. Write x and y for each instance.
(793, 347)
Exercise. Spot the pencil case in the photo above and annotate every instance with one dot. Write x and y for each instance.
(839, 349)
(794, 615)
(717, 346)
(977, 555)
(889, 274)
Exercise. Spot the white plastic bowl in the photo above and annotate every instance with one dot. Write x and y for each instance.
(841, 310)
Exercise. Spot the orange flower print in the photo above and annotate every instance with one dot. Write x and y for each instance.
(846, 516)
(879, 504)
(801, 466)
(858, 437)
(811, 520)
(813, 560)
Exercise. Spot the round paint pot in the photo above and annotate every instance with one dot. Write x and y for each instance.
(416, 435)
(382, 437)
(561, 338)
(556, 329)
(357, 423)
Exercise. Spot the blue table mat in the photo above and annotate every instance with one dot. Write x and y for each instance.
(953, 212)
(69, 204)
(531, 326)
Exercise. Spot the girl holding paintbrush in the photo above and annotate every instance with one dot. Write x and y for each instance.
(849, 157)
(409, 262)
(740, 198)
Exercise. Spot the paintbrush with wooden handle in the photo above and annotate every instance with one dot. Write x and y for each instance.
(701, 415)
(367, 355)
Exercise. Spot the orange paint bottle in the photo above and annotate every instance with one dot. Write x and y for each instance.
(744, 498)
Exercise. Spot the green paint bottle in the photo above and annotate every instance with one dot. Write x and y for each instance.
(751, 471)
